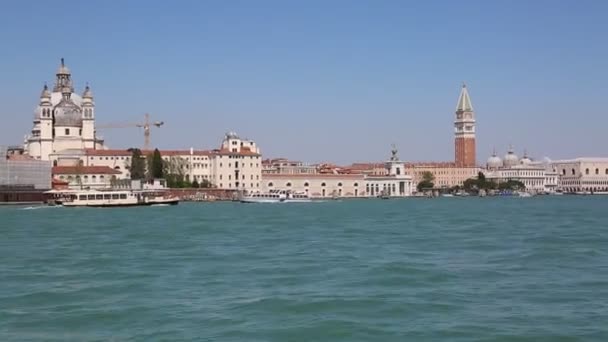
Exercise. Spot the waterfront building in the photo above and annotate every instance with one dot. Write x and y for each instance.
(395, 182)
(86, 177)
(22, 178)
(536, 176)
(63, 119)
(582, 175)
(446, 174)
(236, 165)
(464, 131)
(289, 167)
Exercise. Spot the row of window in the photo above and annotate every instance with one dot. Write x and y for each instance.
(85, 178)
(257, 177)
(102, 197)
(236, 165)
(111, 158)
(257, 185)
(306, 184)
(573, 171)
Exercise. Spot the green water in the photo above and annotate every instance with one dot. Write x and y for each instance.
(451, 269)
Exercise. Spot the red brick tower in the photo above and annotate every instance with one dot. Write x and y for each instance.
(464, 131)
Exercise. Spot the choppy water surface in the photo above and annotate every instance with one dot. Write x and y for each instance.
(450, 269)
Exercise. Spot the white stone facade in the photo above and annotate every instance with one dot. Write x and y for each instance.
(582, 175)
(63, 120)
(395, 183)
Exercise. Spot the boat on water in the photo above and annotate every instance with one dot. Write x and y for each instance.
(275, 196)
(111, 198)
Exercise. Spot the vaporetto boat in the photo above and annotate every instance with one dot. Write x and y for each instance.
(275, 196)
(111, 198)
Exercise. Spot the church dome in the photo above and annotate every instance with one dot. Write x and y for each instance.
(510, 159)
(68, 114)
(525, 160)
(88, 94)
(494, 162)
(46, 94)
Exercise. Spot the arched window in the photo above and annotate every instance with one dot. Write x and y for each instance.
(573, 172)
(340, 184)
(306, 184)
(607, 171)
(117, 168)
(356, 184)
(288, 184)
(564, 172)
(597, 171)
(586, 171)
(270, 185)
(323, 184)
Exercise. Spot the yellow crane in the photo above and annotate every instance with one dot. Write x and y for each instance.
(146, 125)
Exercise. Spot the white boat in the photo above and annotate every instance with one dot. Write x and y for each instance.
(275, 196)
(111, 198)
(524, 194)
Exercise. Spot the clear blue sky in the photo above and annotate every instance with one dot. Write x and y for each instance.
(321, 80)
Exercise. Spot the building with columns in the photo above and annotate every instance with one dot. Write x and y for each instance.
(63, 119)
(464, 131)
(582, 175)
(394, 182)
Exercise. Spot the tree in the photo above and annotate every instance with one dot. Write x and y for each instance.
(195, 184)
(156, 167)
(138, 164)
(427, 181)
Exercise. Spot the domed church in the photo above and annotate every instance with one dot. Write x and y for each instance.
(63, 121)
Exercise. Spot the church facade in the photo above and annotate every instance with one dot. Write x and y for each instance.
(63, 121)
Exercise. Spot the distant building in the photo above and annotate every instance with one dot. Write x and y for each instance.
(395, 182)
(63, 119)
(86, 177)
(285, 166)
(582, 175)
(22, 178)
(464, 131)
(536, 176)
(236, 165)
(446, 174)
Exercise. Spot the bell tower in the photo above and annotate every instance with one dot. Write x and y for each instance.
(88, 118)
(464, 131)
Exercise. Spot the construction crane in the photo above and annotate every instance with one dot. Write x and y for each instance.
(146, 125)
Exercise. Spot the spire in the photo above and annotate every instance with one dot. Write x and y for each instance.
(464, 101)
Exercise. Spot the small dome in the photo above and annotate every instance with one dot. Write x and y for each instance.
(510, 159)
(494, 162)
(525, 160)
(45, 92)
(232, 135)
(88, 94)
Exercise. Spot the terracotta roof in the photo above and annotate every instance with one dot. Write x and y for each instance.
(59, 182)
(88, 170)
